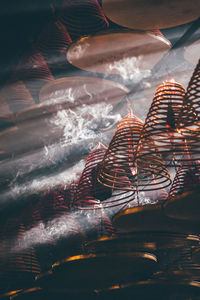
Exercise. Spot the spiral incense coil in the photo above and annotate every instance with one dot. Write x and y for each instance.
(118, 166)
(20, 262)
(31, 215)
(6, 115)
(60, 223)
(91, 194)
(82, 17)
(55, 213)
(187, 178)
(160, 133)
(54, 203)
(190, 116)
(53, 42)
(23, 259)
(183, 201)
(37, 73)
(118, 169)
(17, 96)
(34, 72)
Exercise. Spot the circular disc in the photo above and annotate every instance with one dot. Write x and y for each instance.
(184, 207)
(70, 92)
(151, 218)
(128, 53)
(191, 52)
(151, 14)
(184, 274)
(37, 125)
(86, 95)
(16, 141)
(92, 271)
(154, 289)
(144, 240)
(31, 293)
(36, 121)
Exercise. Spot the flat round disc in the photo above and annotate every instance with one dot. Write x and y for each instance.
(31, 293)
(87, 272)
(37, 126)
(36, 121)
(151, 218)
(151, 14)
(184, 207)
(154, 289)
(16, 141)
(71, 92)
(144, 241)
(127, 53)
(184, 274)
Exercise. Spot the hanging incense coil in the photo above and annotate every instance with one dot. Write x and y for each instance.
(118, 169)
(53, 43)
(24, 259)
(91, 193)
(118, 164)
(20, 261)
(37, 73)
(183, 201)
(17, 96)
(34, 72)
(161, 133)
(187, 178)
(82, 17)
(6, 115)
(190, 116)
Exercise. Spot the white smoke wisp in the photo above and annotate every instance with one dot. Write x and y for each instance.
(81, 130)
(65, 226)
(129, 68)
(87, 122)
(41, 183)
(78, 50)
(60, 96)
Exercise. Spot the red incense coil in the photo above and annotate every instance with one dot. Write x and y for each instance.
(20, 262)
(91, 194)
(6, 115)
(17, 96)
(82, 17)
(160, 134)
(120, 170)
(190, 113)
(53, 43)
(187, 178)
(34, 72)
(56, 212)
(107, 228)
(189, 118)
(118, 165)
